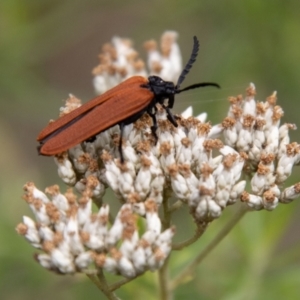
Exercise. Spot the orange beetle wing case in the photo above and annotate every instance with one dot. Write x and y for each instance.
(96, 115)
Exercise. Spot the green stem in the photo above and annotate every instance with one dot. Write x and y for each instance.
(163, 273)
(100, 281)
(194, 238)
(163, 277)
(166, 211)
(190, 268)
(94, 279)
(118, 284)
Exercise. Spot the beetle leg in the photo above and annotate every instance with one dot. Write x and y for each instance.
(152, 114)
(171, 101)
(154, 127)
(120, 142)
(91, 139)
(170, 116)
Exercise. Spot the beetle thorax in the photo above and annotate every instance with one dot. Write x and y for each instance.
(161, 89)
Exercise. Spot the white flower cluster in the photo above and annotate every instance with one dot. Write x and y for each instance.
(198, 164)
(183, 159)
(74, 239)
(254, 128)
(119, 61)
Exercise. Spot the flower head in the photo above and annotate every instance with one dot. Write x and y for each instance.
(204, 167)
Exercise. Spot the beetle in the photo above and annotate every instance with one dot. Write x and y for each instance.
(122, 105)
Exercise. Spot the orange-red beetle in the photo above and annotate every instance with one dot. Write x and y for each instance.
(122, 105)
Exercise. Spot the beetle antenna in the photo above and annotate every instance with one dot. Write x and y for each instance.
(189, 64)
(197, 85)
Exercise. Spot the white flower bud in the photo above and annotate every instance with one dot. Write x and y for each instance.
(215, 131)
(237, 190)
(44, 260)
(255, 202)
(284, 168)
(62, 261)
(188, 112)
(100, 84)
(65, 171)
(72, 235)
(139, 260)
(84, 212)
(214, 209)
(83, 260)
(126, 268)
(202, 117)
(290, 193)
(32, 234)
(153, 222)
(244, 140)
(60, 201)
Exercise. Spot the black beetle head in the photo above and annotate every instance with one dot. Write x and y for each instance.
(160, 88)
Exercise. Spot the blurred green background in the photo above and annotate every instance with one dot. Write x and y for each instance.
(48, 49)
